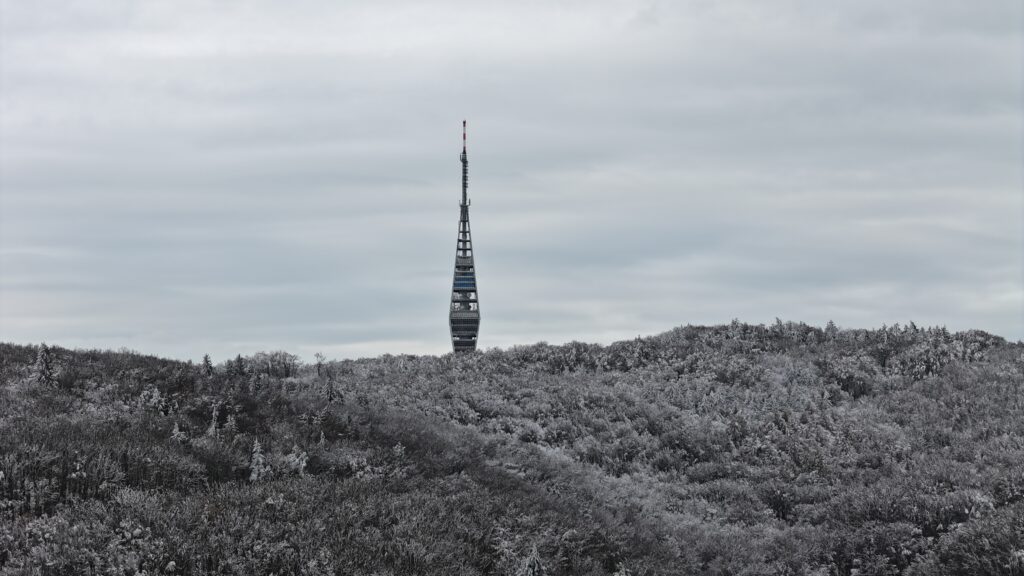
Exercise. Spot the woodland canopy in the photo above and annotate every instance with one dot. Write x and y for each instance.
(726, 450)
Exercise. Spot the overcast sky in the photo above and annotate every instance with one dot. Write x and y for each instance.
(199, 176)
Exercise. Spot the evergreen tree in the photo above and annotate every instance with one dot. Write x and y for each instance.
(258, 467)
(831, 331)
(42, 371)
(207, 365)
(235, 366)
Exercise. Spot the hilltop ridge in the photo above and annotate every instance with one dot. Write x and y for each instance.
(783, 449)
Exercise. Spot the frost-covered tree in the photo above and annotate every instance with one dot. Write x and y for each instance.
(831, 331)
(237, 366)
(177, 435)
(320, 359)
(328, 387)
(231, 426)
(212, 430)
(296, 461)
(532, 565)
(207, 365)
(42, 371)
(254, 384)
(258, 467)
(278, 363)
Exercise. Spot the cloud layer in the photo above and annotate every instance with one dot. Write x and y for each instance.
(194, 176)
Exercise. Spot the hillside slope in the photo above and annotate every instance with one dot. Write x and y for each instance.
(706, 450)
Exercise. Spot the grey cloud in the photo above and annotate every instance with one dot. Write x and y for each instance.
(194, 177)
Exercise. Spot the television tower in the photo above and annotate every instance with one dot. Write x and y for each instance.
(464, 315)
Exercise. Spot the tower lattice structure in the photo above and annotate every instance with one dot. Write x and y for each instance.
(464, 315)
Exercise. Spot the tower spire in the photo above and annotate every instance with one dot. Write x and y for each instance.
(464, 314)
(465, 167)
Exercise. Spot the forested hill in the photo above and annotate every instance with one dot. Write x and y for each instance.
(721, 450)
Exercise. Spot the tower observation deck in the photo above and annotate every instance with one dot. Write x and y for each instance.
(464, 315)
